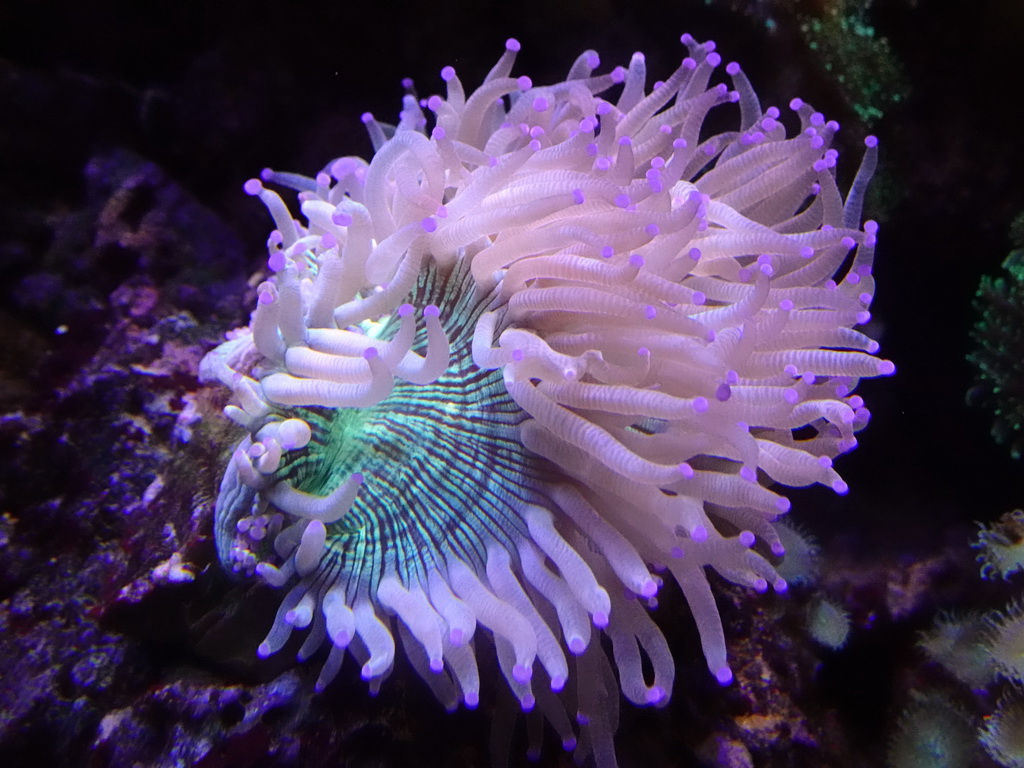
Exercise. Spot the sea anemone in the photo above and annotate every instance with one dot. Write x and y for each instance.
(933, 733)
(1001, 545)
(515, 367)
(1003, 732)
(1005, 641)
(828, 623)
(960, 644)
(802, 560)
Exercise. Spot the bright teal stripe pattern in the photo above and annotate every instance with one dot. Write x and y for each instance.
(444, 469)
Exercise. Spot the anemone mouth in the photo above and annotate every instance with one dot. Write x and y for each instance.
(444, 473)
(501, 373)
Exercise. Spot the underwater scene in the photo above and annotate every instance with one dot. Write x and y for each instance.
(499, 384)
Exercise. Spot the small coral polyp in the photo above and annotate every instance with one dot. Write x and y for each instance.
(517, 369)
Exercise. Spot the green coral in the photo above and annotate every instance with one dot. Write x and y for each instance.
(861, 61)
(999, 353)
